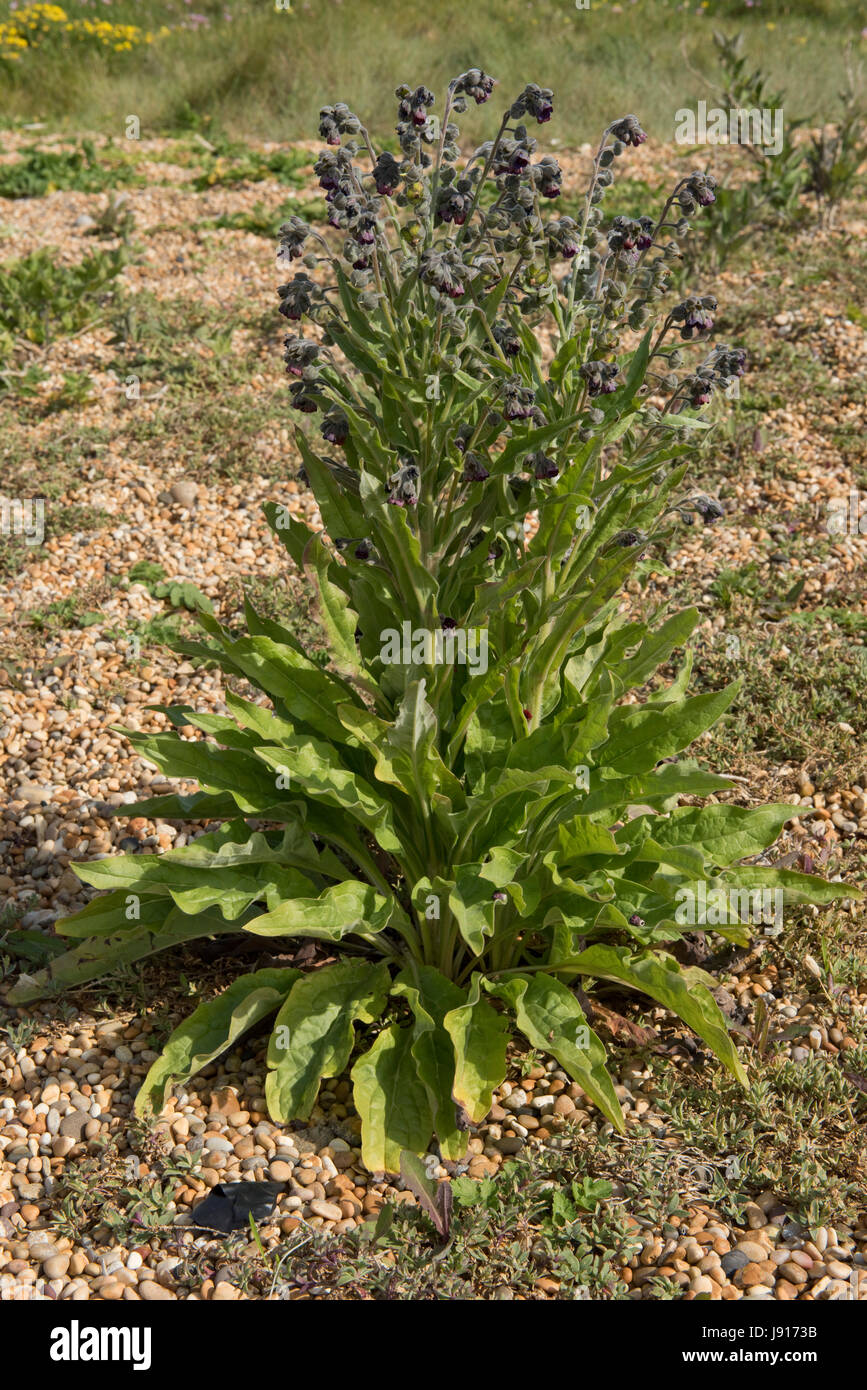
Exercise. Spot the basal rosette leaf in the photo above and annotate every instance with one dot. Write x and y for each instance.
(683, 991)
(479, 1036)
(348, 908)
(722, 834)
(551, 1019)
(99, 955)
(431, 998)
(212, 1028)
(392, 1100)
(314, 1031)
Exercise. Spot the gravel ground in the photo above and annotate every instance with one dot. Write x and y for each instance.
(67, 1088)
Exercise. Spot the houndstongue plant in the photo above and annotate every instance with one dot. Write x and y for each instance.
(476, 803)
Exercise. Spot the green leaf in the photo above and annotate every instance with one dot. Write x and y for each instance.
(392, 1100)
(404, 752)
(430, 999)
(641, 735)
(228, 868)
(479, 1035)
(335, 615)
(107, 914)
(305, 688)
(316, 768)
(550, 1017)
(345, 907)
(216, 769)
(313, 1033)
(211, 1029)
(99, 956)
(723, 833)
(795, 887)
(661, 978)
(434, 1198)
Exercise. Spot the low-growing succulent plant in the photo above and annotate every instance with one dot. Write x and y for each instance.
(476, 804)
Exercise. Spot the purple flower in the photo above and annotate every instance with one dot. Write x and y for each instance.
(444, 271)
(296, 297)
(543, 466)
(303, 397)
(708, 509)
(563, 239)
(413, 105)
(335, 427)
(513, 156)
(474, 469)
(600, 377)
(299, 353)
(534, 101)
(293, 235)
(698, 188)
(404, 486)
(628, 236)
(506, 338)
(474, 83)
(518, 400)
(386, 174)
(338, 120)
(453, 206)
(547, 177)
(692, 315)
(628, 131)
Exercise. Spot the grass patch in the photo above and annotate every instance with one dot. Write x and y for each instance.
(267, 72)
(264, 221)
(41, 300)
(41, 171)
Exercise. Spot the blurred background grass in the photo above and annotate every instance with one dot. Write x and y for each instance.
(257, 71)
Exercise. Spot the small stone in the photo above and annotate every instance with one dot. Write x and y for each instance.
(754, 1252)
(701, 1284)
(152, 1292)
(217, 1144)
(796, 1274)
(282, 1172)
(733, 1261)
(327, 1210)
(755, 1216)
(184, 493)
(42, 1249)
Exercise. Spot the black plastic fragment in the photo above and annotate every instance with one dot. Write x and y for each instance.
(228, 1206)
